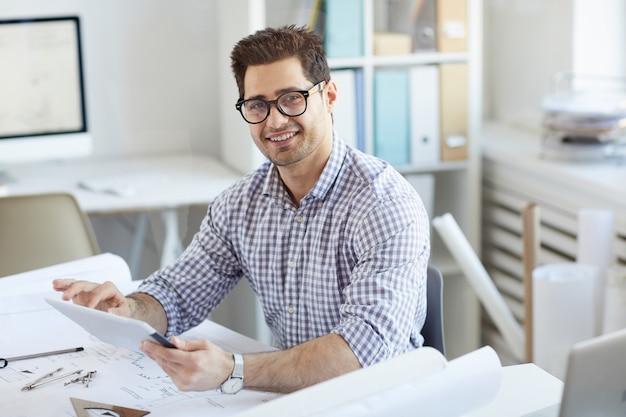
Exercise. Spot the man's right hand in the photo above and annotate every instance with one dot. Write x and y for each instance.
(106, 297)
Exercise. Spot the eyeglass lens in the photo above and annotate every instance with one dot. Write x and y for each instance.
(290, 104)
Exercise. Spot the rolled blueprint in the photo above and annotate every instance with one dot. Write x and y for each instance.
(615, 300)
(595, 247)
(481, 283)
(563, 312)
(420, 382)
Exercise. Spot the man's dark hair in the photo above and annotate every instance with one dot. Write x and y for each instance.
(273, 44)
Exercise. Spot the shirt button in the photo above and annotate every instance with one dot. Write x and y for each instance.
(291, 309)
(291, 264)
(299, 219)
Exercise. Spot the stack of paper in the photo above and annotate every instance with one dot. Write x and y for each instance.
(583, 118)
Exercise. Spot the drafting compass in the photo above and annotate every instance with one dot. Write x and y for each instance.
(86, 408)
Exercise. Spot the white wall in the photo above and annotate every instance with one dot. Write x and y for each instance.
(152, 75)
(527, 41)
(151, 80)
(150, 71)
(600, 37)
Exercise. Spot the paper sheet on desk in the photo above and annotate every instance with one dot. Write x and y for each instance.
(98, 268)
(29, 325)
(26, 319)
(125, 378)
(420, 383)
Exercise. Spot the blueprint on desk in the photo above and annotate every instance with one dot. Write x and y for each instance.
(124, 377)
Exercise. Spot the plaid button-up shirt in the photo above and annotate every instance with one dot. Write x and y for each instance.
(351, 259)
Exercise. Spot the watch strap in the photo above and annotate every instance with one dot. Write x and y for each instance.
(234, 383)
(238, 368)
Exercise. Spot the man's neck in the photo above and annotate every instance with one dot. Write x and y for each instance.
(299, 181)
(301, 177)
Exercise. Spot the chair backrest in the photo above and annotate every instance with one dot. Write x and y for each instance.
(433, 326)
(41, 230)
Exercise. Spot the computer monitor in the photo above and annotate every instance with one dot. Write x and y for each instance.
(43, 114)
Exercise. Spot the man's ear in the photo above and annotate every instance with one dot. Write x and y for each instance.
(331, 95)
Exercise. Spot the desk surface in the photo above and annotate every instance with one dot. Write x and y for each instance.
(520, 152)
(127, 378)
(525, 388)
(161, 181)
(130, 379)
(123, 377)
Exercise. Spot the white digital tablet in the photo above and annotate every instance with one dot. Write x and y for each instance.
(110, 328)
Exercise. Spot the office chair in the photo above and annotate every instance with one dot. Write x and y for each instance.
(433, 326)
(41, 230)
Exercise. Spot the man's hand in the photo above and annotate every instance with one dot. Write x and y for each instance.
(197, 365)
(201, 365)
(105, 297)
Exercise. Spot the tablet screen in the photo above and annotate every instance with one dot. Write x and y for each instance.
(110, 328)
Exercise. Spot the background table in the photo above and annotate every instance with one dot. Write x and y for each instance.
(161, 183)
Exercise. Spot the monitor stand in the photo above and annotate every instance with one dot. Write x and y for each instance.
(5, 177)
(5, 180)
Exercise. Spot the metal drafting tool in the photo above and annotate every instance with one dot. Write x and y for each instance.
(84, 379)
(83, 408)
(49, 377)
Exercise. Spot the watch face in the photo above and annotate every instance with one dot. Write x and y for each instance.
(232, 385)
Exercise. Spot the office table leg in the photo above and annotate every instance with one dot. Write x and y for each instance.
(172, 246)
(136, 249)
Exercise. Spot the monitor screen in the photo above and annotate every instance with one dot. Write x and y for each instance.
(42, 94)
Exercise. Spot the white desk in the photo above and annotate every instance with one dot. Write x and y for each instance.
(29, 325)
(124, 378)
(513, 156)
(164, 183)
(525, 388)
(129, 379)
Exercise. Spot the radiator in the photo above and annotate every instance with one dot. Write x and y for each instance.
(502, 245)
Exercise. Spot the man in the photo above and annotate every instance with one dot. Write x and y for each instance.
(334, 242)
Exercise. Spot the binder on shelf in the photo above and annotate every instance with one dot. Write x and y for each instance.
(317, 22)
(453, 111)
(344, 28)
(360, 109)
(310, 13)
(416, 18)
(389, 43)
(424, 92)
(391, 115)
(345, 112)
(425, 25)
(451, 25)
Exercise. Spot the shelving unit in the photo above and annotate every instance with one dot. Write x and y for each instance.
(457, 183)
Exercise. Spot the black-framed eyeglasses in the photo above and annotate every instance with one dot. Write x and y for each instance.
(290, 104)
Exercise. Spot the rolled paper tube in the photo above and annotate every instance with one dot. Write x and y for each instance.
(563, 312)
(615, 300)
(595, 247)
(481, 283)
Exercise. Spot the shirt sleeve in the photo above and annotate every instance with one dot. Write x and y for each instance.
(195, 284)
(385, 302)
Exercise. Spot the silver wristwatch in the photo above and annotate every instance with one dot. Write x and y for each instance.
(234, 383)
